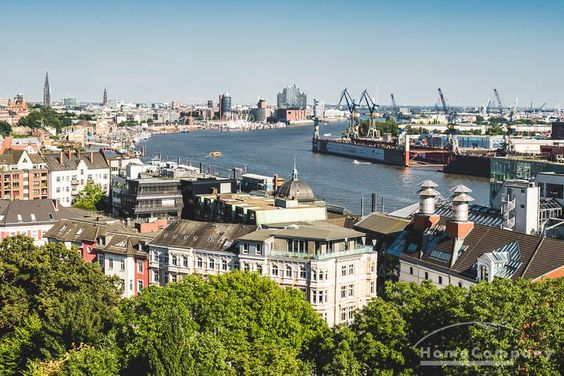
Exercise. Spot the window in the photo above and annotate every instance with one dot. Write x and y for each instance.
(459, 284)
(140, 266)
(329, 247)
(155, 276)
(246, 266)
(343, 291)
(426, 275)
(484, 273)
(173, 277)
(259, 249)
(372, 287)
(288, 271)
(122, 265)
(343, 270)
(351, 290)
(245, 248)
(130, 285)
(110, 263)
(259, 269)
(274, 269)
(343, 314)
(303, 272)
(224, 264)
(174, 260)
(185, 261)
(321, 275)
(440, 280)
(139, 285)
(211, 264)
(411, 270)
(199, 262)
(351, 269)
(351, 313)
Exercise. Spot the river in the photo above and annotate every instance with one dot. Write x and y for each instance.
(336, 179)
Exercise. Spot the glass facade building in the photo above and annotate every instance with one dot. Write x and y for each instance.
(513, 168)
(291, 97)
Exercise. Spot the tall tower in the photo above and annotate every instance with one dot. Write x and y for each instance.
(105, 100)
(46, 91)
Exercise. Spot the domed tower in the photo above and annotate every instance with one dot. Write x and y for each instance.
(296, 189)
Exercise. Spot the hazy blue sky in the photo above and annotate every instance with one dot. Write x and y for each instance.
(166, 50)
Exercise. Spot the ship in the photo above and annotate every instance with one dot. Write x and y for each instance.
(361, 149)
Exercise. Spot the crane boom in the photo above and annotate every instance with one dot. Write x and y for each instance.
(369, 102)
(443, 102)
(498, 99)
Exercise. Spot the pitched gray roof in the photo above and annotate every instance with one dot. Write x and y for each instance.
(69, 160)
(33, 212)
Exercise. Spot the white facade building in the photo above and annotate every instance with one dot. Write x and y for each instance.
(69, 172)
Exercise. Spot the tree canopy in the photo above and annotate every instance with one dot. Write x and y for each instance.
(5, 128)
(45, 116)
(61, 316)
(91, 197)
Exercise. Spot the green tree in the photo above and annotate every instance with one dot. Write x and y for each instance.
(252, 325)
(91, 197)
(5, 128)
(50, 302)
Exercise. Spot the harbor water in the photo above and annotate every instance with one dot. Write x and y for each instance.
(338, 180)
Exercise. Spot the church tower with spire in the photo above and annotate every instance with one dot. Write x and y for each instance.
(105, 100)
(46, 91)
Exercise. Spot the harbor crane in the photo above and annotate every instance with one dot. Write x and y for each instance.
(372, 108)
(450, 113)
(395, 109)
(352, 130)
(498, 100)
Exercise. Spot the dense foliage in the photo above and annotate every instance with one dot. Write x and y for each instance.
(91, 197)
(46, 117)
(5, 128)
(60, 316)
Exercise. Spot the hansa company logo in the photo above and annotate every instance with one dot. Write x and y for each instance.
(433, 348)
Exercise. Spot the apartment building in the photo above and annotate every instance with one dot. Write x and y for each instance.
(331, 265)
(457, 251)
(70, 171)
(24, 176)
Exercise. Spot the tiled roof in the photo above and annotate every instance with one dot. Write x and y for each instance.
(549, 257)
(34, 212)
(85, 229)
(201, 235)
(69, 161)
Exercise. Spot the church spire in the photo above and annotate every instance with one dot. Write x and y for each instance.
(46, 91)
(105, 99)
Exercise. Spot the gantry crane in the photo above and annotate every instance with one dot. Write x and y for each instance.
(372, 107)
(352, 130)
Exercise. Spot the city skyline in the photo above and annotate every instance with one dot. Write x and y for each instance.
(152, 52)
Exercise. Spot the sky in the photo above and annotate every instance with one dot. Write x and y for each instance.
(160, 51)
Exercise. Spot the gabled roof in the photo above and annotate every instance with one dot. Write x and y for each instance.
(125, 243)
(437, 248)
(70, 161)
(549, 257)
(85, 229)
(34, 212)
(201, 235)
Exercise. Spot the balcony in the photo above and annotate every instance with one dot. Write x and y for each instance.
(357, 251)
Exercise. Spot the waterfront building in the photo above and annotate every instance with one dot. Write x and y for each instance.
(513, 168)
(294, 201)
(331, 265)
(46, 91)
(557, 130)
(141, 191)
(33, 218)
(456, 251)
(191, 189)
(291, 97)
(254, 182)
(24, 176)
(290, 115)
(224, 106)
(12, 110)
(261, 112)
(70, 171)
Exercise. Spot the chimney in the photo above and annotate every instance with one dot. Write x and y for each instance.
(458, 226)
(426, 216)
(69, 151)
(61, 157)
(78, 154)
(91, 157)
